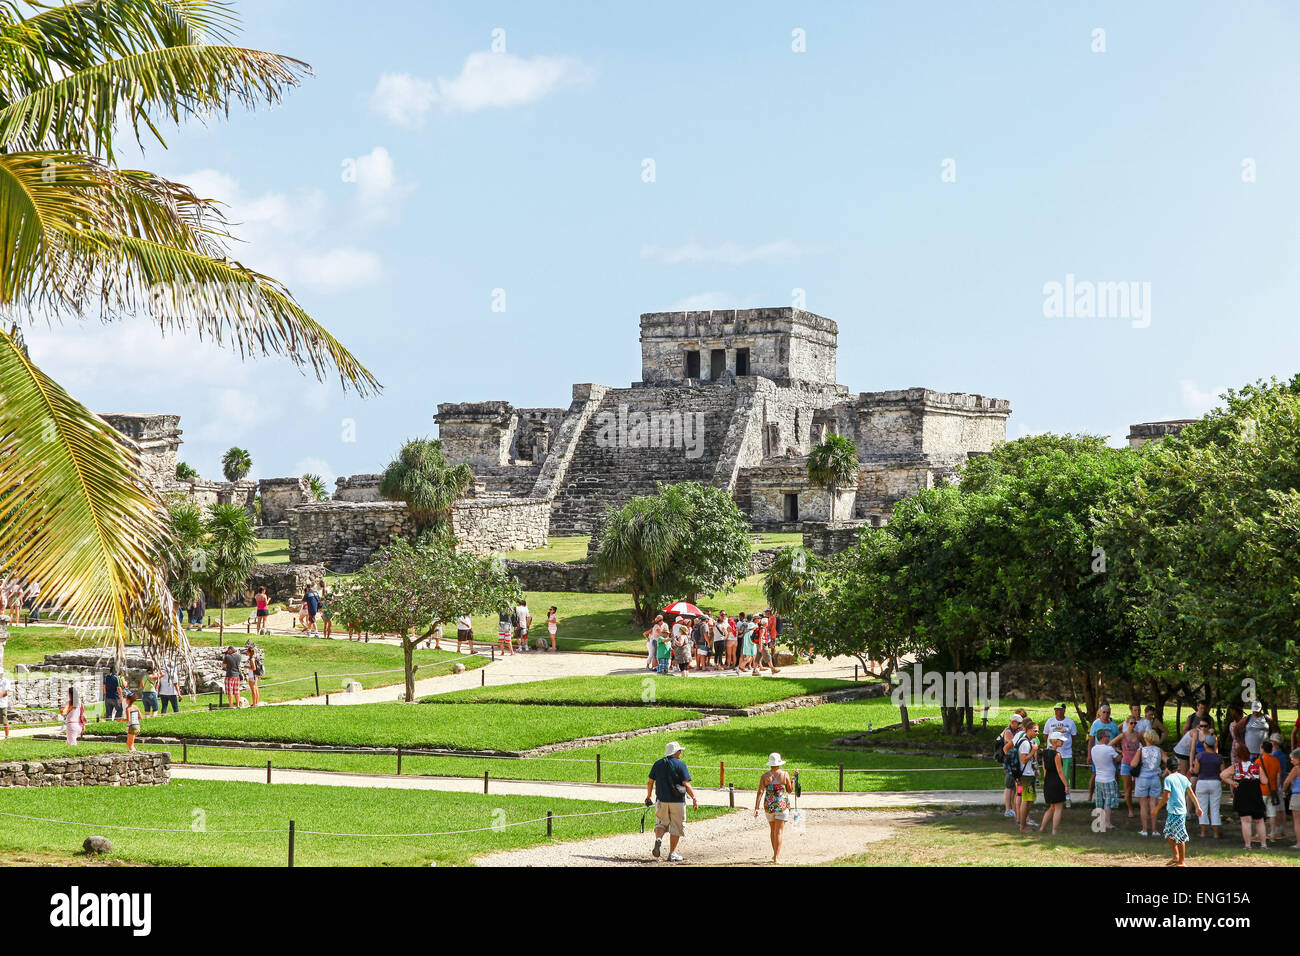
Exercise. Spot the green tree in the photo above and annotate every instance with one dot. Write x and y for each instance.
(230, 553)
(236, 463)
(410, 589)
(185, 567)
(316, 487)
(84, 237)
(790, 581)
(422, 477)
(832, 465)
(685, 540)
(185, 471)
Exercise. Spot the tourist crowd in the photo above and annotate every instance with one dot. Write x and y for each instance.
(1128, 766)
(745, 644)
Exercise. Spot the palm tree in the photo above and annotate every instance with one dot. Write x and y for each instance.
(637, 543)
(231, 553)
(832, 464)
(235, 464)
(84, 237)
(422, 477)
(316, 487)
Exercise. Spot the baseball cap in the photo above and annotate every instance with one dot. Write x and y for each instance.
(1060, 706)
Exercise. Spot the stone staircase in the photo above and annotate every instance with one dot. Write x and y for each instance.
(612, 462)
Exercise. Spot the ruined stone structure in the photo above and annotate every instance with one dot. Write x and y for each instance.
(281, 494)
(733, 398)
(357, 488)
(1140, 434)
(138, 769)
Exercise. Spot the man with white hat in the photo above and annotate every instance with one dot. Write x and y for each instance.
(669, 784)
(1256, 730)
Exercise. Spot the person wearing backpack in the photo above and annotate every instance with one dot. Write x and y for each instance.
(1002, 752)
(1027, 761)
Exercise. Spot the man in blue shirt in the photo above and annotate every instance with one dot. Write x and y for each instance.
(670, 783)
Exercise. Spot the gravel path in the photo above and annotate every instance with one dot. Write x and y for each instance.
(733, 839)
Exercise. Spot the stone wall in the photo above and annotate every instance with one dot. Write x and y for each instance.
(240, 493)
(763, 491)
(203, 673)
(343, 535)
(51, 690)
(283, 582)
(493, 525)
(138, 769)
(827, 539)
(280, 495)
(357, 488)
(568, 577)
(480, 433)
(782, 344)
(155, 438)
(1140, 434)
(920, 421)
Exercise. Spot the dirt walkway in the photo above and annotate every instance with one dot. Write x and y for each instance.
(733, 839)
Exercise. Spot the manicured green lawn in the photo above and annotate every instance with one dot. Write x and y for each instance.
(272, 550)
(635, 690)
(288, 658)
(466, 726)
(195, 811)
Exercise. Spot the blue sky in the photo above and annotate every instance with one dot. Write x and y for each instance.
(774, 170)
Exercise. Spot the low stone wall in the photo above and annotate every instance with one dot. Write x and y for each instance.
(91, 663)
(98, 770)
(357, 488)
(493, 525)
(51, 690)
(567, 577)
(283, 582)
(829, 538)
(343, 535)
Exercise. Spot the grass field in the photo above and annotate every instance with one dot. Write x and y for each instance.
(293, 659)
(467, 727)
(986, 838)
(635, 690)
(197, 810)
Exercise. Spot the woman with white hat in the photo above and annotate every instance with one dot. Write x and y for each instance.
(774, 789)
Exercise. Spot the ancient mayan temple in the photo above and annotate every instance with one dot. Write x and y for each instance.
(733, 398)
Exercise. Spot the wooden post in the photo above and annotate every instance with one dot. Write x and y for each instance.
(722, 774)
(598, 767)
(482, 677)
(731, 796)
(316, 675)
(841, 778)
(185, 752)
(485, 773)
(855, 673)
(548, 822)
(291, 843)
(327, 700)
(268, 771)
(399, 760)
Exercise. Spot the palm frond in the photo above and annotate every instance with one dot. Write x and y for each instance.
(81, 110)
(74, 514)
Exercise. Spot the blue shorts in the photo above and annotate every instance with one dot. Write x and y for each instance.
(1149, 785)
(1125, 770)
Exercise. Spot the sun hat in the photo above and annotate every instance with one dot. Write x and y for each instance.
(1055, 736)
(673, 747)
(1273, 738)
(1256, 707)
(1015, 718)
(774, 759)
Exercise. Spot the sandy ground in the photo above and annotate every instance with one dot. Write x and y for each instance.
(734, 839)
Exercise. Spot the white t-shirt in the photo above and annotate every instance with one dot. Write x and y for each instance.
(167, 678)
(1027, 767)
(1143, 725)
(463, 623)
(6, 692)
(1103, 759)
(1184, 747)
(521, 612)
(1064, 726)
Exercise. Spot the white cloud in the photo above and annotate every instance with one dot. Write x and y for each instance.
(486, 80)
(1198, 402)
(288, 236)
(379, 188)
(403, 99)
(337, 269)
(233, 413)
(710, 301)
(727, 253)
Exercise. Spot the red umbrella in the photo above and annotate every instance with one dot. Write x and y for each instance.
(684, 607)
